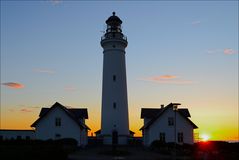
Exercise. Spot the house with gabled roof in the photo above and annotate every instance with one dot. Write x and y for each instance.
(167, 124)
(59, 122)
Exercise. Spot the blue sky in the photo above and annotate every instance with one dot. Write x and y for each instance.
(53, 49)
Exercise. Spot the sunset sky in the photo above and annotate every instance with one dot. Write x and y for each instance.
(184, 52)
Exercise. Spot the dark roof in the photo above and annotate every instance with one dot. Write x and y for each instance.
(74, 114)
(153, 112)
(77, 112)
(99, 131)
(113, 20)
(149, 114)
(185, 112)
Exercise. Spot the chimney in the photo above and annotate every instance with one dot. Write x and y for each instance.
(162, 106)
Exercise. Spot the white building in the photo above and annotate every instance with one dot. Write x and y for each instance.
(60, 122)
(114, 113)
(167, 124)
(54, 123)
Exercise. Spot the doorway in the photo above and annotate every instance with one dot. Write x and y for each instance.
(115, 137)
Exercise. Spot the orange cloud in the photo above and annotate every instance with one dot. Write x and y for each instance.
(163, 77)
(13, 85)
(25, 110)
(229, 51)
(167, 79)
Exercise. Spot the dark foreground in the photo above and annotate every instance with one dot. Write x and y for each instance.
(66, 149)
(36, 149)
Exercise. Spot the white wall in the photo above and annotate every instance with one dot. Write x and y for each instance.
(46, 128)
(13, 134)
(161, 125)
(114, 119)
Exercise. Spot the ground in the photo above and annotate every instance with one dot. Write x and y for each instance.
(128, 153)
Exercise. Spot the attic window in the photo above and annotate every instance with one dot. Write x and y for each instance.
(170, 121)
(58, 122)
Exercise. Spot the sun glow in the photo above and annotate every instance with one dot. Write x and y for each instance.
(205, 137)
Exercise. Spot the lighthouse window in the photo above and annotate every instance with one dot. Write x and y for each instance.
(114, 105)
(114, 78)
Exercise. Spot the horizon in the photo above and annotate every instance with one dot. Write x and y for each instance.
(184, 52)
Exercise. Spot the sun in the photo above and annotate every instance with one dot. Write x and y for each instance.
(205, 137)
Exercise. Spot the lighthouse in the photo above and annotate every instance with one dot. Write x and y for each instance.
(114, 112)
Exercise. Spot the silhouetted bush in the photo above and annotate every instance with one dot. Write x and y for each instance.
(36, 149)
(135, 141)
(216, 150)
(66, 141)
(169, 148)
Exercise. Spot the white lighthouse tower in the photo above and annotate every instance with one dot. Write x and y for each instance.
(114, 113)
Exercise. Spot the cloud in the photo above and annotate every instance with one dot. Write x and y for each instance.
(25, 110)
(167, 79)
(70, 88)
(197, 22)
(55, 2)
(229, 51)
(13, 85)
(47, 71)
(163, 77)
(213, 51)
(36, 107)
(226, 51)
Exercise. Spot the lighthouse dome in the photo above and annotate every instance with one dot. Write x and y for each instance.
(113, 20)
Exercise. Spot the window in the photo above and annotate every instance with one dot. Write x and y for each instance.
(114, 105)
(180, 137)
(27, 137)
(162, 137)
(58, 121)
(1, 138)
(57, 135)
(170, 121)
(114, 78)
